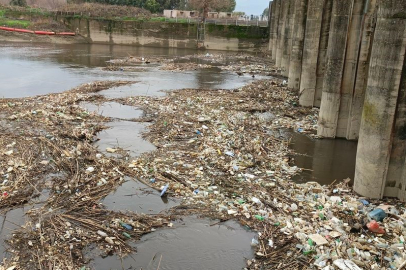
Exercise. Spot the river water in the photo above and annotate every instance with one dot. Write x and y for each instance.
(37, 69)
(29, 70)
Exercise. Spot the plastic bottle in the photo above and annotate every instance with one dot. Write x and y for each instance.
(126, 235)
(377, 215)
(254, 242)
(101, 233)
(126, 226)
(109, 240)
(164, 190)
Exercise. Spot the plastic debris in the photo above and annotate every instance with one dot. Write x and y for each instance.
(101, 233)
(164, 189)
(377, 214)
(126, 226)
(318, 239)
(109, 240)
(346, 265)
(254, 242)
(364, 202)
(126, 235)
(374, 227)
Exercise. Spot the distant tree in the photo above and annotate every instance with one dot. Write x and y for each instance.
(205, 6)
(168, 4)
(229, 8)
(152, 6)
(239, 13)
(21, 3)
(182, 4)
(266, 12)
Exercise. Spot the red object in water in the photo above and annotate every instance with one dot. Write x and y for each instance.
(23, 30)
(373, 226)
(66, 34)
(44, 33)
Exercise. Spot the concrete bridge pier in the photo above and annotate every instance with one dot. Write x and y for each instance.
(299, 28)
(350, 66)
(357, 102)
(323, 45)
(333, 78)
(380, 165)
(311, 52)
(348, 56)
(287, 41)
(281, 32)
(276, 8)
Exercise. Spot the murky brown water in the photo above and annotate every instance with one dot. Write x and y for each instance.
(124, 135)
(28, 70)
(323, 160)
(192, 244)
(138, 198)
(113, 110)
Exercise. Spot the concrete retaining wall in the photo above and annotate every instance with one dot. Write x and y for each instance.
(160, 34)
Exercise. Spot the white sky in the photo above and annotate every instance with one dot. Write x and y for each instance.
(255, 7)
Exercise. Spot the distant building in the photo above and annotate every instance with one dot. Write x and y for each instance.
(225, 15)
(212, 15)
(168, 13)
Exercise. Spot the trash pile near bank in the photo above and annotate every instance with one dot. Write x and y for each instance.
(46, 147)
(217, 150)
(184, 66)
(137, 60)
(239, 63)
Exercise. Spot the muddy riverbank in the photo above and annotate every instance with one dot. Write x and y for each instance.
(32, 38)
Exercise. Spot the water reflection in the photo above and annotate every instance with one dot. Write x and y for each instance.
(323, 160)
(139, 198)
(36, 69)
(191, 244)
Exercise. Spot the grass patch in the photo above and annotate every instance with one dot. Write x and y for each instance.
(2, 12)
(14, 23)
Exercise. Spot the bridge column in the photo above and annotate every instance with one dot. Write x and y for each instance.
(331, 97)
(310, 52)
(350, 66)
(322, 57)
(281, 32)
(355, 110)
(299, 27)
(276, 7)
(380, 167)
(271, 25)
(287, 41)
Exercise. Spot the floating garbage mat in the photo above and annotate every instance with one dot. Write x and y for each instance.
(217, 150)
(215, 153)
(189, 244)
